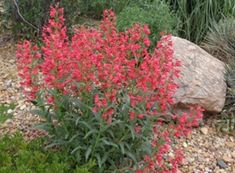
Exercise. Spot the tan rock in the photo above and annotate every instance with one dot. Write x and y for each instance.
(227, 158)
(230, 144)
(202, 77)
(204, 130)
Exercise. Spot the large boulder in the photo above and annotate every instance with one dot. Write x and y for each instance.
(202, 78)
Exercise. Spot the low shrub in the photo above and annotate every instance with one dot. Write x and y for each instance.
(17, 155)
(104, 97)
(220, 41)
(154, 13)
(95, 8)
(29, 16)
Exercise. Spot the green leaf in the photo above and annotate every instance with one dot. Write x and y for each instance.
(109, 143)
(75, 149)
(132, 156)
(44, 126)
(93, 131)
(85, 124)
(131, 130)
(122, 148)
(99, 160)
(88, 152)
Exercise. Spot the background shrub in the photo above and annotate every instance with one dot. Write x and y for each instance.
(220, 40)
(5, 23)
(17, 155)
(35, 14)
(32, 15)
(198, 16)
(28, 16)
(95, 8)
(154, 13)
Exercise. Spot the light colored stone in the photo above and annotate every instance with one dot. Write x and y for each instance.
(22, 107)
(202, 77)
(9, 111)
(185, 144)
(8, 121)
(204, 130)
(227, 158)
(230, 144)
(233, 155)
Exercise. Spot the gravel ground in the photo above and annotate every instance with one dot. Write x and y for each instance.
(206, 150)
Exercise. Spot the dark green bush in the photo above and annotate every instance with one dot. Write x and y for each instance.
(29, 16)
(95, 8)
(154, 13)
(17, 155)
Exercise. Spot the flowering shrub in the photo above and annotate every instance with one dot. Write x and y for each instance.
(104, 96)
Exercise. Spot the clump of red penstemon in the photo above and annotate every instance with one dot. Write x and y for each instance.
(112, 62)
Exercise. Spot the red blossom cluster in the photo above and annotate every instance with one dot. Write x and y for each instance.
(109, 61)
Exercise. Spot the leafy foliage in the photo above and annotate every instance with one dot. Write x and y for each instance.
(104, 96)
(17, 155)
(220, 41)
(29, 16)
(154, 13)
(198, 16)
(95, 8)
(226, 122)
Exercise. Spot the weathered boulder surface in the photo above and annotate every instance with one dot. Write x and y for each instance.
(202, 78)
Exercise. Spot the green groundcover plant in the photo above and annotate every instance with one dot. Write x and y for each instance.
(104, 97)
(155, 13)
(17, 155)
(4, 115)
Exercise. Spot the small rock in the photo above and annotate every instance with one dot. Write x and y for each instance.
(8, 121)
(22, 107)
(231, 139)
(12, 61)
(222, 164)
(185, 145)
(204, 130)
(9, 111)
(8, 83)
(230, 144)
(227, 158)
(233, 154)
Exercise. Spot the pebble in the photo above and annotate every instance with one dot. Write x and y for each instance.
(233, 155)
(8, 83)
(185, 145)
(222, 164)
(9, 111)
(9, 121)
(227, 158)
(204, 130)
(22, 107)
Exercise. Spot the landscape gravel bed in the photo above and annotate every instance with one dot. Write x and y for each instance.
(206, 150)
